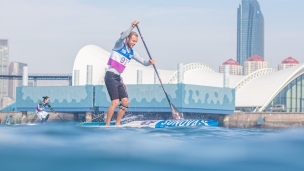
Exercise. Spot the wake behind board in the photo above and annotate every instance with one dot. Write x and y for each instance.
(153, 124)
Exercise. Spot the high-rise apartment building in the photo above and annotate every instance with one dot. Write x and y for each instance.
(4, 61)
(254, 63)
(15, 68)
(234, 67)
(287, 63)
(250, 31)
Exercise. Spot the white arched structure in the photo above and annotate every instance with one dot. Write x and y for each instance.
(260, 91)
(254, 75)
(90, 55)
(255, 90)
(188, 67)
(289, 77)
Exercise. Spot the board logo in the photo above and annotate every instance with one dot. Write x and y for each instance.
(147, 122)
(175, 123)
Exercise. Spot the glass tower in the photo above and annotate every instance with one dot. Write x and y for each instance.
(250, 31)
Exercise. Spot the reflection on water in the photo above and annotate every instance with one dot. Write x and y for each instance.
(67, 147)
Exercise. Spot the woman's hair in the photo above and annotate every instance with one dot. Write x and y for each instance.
(45, 97)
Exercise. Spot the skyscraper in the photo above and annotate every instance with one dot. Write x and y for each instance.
(4, 61)
(250, 31)
(15, 68)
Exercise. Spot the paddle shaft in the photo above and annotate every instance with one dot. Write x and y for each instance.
(60, 117)
(154, 66)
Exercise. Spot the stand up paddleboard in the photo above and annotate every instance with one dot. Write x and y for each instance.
(153, 124)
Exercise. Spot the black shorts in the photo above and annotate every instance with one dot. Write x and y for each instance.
(115, 86)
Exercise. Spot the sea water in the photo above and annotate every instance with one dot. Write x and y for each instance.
(54, 146)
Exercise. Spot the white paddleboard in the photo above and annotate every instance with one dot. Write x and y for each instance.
(153, 124)
(27, 124)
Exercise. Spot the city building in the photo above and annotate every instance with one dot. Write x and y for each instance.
(250, 30)
(15, 68)
(287, 63)
(4, 62)
(234, 67)
(254, 63)
(6, 101)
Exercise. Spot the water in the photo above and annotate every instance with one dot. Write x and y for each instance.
(64, 146)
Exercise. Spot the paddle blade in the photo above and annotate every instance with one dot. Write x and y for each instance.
(175, 113)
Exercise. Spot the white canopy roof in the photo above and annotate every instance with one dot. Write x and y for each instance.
(256, 89)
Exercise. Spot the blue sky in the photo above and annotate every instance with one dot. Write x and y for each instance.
(48, 34)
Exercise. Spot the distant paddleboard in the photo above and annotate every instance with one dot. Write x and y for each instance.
(154, 123)
(27, 124)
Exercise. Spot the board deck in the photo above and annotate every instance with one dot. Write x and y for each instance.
(153, 124)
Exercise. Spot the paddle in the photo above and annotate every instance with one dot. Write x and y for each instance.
(55, 112)
(60, 117)
(175, 113)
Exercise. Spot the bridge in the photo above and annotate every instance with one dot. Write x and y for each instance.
(36, 77)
